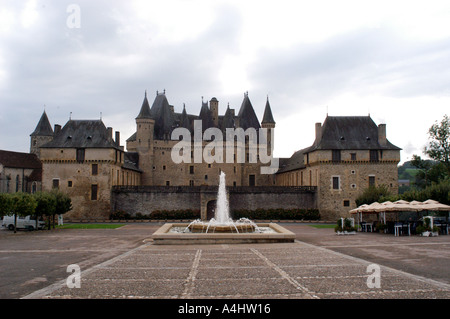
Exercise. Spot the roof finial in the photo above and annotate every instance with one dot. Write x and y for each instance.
(164, 92)
(70, 116)
(157, 92)
(145, 93)
(100, 116)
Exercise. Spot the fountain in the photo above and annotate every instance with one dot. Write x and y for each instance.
(222, 228)
(222, 221)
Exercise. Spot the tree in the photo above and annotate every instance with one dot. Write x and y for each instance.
(23, 204)
(5, 204)
(439, 146)
(63, 204)
(429, 171)
(374, 194)
(46, 205)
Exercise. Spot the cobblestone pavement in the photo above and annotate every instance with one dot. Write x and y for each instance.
(123, 263)
(295, 270)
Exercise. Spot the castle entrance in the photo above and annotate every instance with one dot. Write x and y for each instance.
(210, 209)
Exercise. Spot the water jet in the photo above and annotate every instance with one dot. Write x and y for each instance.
(222, 228)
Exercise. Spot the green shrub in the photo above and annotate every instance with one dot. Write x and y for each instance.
(277, 214)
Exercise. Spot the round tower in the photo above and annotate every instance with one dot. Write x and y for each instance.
(42, 134)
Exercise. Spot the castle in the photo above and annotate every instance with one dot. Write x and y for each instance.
(86, 161)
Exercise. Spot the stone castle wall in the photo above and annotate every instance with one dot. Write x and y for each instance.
(145, 199)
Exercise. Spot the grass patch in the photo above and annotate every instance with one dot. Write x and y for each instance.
(90, 226)
(323, 226)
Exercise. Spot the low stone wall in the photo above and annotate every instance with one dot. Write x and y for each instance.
(146, 199)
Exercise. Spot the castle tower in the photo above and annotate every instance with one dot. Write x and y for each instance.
(144, 127)
(42, 134)
(269, 123)
(214, 107)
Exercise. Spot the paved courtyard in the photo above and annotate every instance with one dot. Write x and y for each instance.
(123, 263)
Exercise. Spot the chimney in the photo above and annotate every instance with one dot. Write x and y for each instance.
(382, 140)
(57, 129)
(117, 138)
(110, 131)
(318, 133)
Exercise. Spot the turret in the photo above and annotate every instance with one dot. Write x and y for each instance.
(144, 126)
(42, 134)
(268, 123)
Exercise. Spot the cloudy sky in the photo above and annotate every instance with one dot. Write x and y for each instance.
(389, 59)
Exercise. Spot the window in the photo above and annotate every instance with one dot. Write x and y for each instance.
(336, 156)
(346, 203)
(55, 183)
(336, 182)
(94, 169)
(251, 180)
(69, 184)
(234, 183)
(167, 183)
(80, 154)
(206, 177)
(374, 155)
(353, 156)
(94, 191)
(191, 183)
(164, 167)
(191, 169)
(371, 180)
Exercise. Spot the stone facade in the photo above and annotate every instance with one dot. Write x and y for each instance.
(84, 161)
(20, 172)
(154, 144)
(348, 155)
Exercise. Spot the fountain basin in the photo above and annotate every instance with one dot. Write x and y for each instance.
(163, 236)
(200, 228)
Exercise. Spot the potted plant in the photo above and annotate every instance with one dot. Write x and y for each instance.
(345, 227)
(426, 230)
(381, 227)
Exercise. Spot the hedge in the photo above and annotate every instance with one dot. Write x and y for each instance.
(159, 214)
(258, 214)
(278, 214)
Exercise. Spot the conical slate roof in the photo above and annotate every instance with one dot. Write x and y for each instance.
(247, 116)
(43, 128)
(184, 121)
(228, 119)
(268, 117)
(145, 109)
(206, 116)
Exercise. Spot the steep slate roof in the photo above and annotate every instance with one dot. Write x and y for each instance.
(19, 160)
(268, 117)
(206, 116)
(339, 133)
(163, 116)
(247, 116)
(166, 119)
(131, 161)
(43, 128)
(82, 134)
(228, 119)
(350, 133)
(145, 109)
